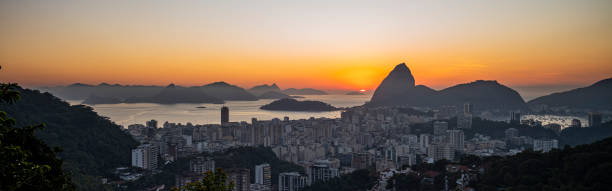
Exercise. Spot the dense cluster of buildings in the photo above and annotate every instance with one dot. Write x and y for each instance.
(382, 138)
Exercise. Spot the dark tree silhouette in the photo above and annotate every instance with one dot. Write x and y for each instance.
(26, 162)
(216, 181)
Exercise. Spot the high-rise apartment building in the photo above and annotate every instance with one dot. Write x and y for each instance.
(456, 139)
(201, 164)
(594, 119)
(439, 151)
(440, 127)
(362, 160)
(321, 171)
(263, 175)
(240, 177)
(468, 108)
(152, 124)
(545, 145)
(145, 156)
(291, 181)
(515, 117)
(424, 140)
(510, 133)
(224, 115)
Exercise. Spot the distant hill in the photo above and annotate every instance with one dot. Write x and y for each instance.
(295, 105)
(304, 91)
(484, 94)
(584, 167)
(79, 91)
(354, 93)
(399, 88)
(573, 136)
(91, 145)
(273, 95)
(596, 96)
(176, 94)
(227, 91)
(116, 93)
(261, 89)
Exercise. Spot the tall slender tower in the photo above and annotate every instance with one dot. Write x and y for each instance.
(594, 119)
(224, 115)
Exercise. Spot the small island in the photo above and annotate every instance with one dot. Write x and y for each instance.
(274, 95)
(355, 93)
(289, 104)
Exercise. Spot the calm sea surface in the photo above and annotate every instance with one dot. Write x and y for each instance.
(127, 114)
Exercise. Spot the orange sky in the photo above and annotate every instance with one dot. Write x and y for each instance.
(318, 44)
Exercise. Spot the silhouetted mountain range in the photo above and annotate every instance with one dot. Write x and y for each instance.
(176, 94)
(216, 92)
(354, 93)
(227, 91)
(261, 89)
(596, 96)
(106, 93)
(172, 94)
(79, 91)
(274, 95)
(399, 88)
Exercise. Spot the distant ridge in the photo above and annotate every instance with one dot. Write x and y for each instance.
(304, 91)
(354, 93)
(225, 91)
(104, 91)
(273, 95)
(175, 94)
(596, 96)
(261, 89)
(399, 88)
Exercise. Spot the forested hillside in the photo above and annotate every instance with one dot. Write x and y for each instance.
(91, 145)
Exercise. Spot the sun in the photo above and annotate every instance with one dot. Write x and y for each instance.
(362, 90)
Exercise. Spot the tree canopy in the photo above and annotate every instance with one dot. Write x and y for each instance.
(216, 181)
(27, 163)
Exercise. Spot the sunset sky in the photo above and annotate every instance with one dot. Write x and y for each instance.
(318, 44)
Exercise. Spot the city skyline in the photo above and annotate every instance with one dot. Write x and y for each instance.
(324, 45)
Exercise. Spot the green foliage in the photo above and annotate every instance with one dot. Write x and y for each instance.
(211, 182)
(91, 145)
(404, 182)
(87, 182)
(577, 136)
(27, 163)
(496, 129)
(585, 167)
(363, 179)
